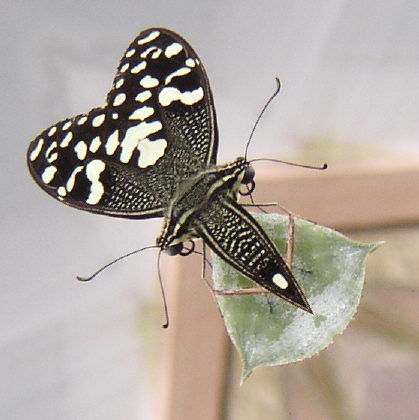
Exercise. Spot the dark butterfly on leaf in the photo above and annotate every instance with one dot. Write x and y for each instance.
(151, 152)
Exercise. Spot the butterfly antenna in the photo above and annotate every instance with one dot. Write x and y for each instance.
(278, 87)
(113, 262)
(299, 165)
(166, 312)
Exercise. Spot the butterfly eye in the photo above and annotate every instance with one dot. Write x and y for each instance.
(180, 249)
(249, 174)
(174, 249)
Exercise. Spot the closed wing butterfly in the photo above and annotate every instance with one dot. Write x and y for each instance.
(151, 152)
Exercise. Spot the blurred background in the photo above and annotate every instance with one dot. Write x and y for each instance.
(350, 81)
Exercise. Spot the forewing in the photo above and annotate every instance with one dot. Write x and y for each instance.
(231, 232)
(127, 158)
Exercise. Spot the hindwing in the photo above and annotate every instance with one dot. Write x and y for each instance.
(236, 237)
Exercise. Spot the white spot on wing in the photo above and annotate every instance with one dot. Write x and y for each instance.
(53, 157)
(149, 82)
(150, 151)
(119, 83)
(135, 136)
(48, 174)
(119, 99)
(143, 96)
(93, 171)
(124, 68)
(154, 51)
(66, 140)
(37, 149)
(150, 37)
(173, 49)
(81, 150)
(112, 143)
(144, 129)
(139, 67)
(95, 144)
(52, 131)
(67, 125)
(61, 191)
(72, 179)
(82, 120)
(181, 72)
(280, 281)
(141, 113)
(98, 120)
(170, 94)
(156, 54)
(130, 53)
(49, 153)
(190, 62)
(128, 145)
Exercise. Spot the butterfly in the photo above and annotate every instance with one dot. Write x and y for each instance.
(150, 151)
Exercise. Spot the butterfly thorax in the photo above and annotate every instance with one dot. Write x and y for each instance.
(193, 197)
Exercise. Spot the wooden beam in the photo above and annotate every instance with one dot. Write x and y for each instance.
(354, 196)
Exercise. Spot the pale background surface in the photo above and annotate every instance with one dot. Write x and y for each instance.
(349, 69)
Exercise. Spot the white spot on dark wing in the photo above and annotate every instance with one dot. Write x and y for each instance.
(119, 83)
(52, 131)
(130, 53)
(139, 67)
(154, 51)
(67, 125)
(36, 150)
(98, 120)
(82, 120)
(124, 68)
(81, 150)
(128, 145)
(48, 174)
(66, 140)
(115, 115)
(143, 96)
(72, 179)
(61, 191)
(150, 151)
(50, 156)
(140, 133)
(173, 49)
(190, 62)
(280, 281)
(119, 99)
(181, 72)
(156, 54)
(95, 144)
(142, 113)
(150, 37)
(144, 129)
(149, 82)
(112, 143)
(170, 94)
(93, 171)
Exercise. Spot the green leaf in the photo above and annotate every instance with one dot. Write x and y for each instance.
(269, 331)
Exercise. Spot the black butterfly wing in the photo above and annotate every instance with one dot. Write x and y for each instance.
(127, 158)
(236, 237)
